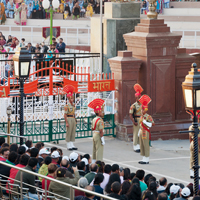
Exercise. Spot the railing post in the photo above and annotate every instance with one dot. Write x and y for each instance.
(71, 193)
(21, 185)
(45, 189)
(50, 117)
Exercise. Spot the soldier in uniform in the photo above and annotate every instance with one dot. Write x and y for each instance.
(98, 129)
(146, 122)
(191, 138)
(134, 114)
(70, 118)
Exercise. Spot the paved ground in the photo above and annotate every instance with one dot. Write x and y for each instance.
(168, 158)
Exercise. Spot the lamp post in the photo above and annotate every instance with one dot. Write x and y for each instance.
(9, 112)
(22, 62)
(53, 4)
(191, 94)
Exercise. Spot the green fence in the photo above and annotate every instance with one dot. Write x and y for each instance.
(55, 130)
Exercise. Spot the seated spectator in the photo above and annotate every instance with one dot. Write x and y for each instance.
(162, 196)
(44, 168)
(146, 178)
(140, 175)
(4, 154)
(85, 160)
(85, 4)
(127, 174)
(38, 56)
(51, 174)
(34, 153)
(23, 161)
(65, 164)
(9, 67)
(134, 192)
(88, 157)
(61, 155)
(132, 175)
(81, 168)
(113, 178)
(13, 44)
(73, 159)
(61, 46)
(100, 166)
(115, 169)
(190, 186)
(90, 176)
(167, 190)
(54, 39)
(2, 41)
(30, 48)
(115, 191)
(148, 195)
(61, 189)
(9, 41)
(174, 191)
(144, 5)
(185, 194)
(1, 35)
(89, 11)
(82, 183)
(2, 50)
(67, 13)
(14, 147)
(125, 187)
(82, 13)
(87, 195)
(29, 144)
(135, 180)
(162, 185)
(76, 11)
(29, 10)
(10, 9)
(43, 153)
(55, 158)
(98, 179)
(2, 140)
(5, 170)
(22, 44)
(97, 9)
(5, 145)
(53, 149)
(153, 188)
(28, 179)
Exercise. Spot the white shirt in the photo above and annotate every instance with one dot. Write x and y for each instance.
(105, 181)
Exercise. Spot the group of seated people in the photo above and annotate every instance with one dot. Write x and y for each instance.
(75, 169)
(35, 10)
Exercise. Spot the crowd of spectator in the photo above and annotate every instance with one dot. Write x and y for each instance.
(34, 8)
(75, 169)
(42, 51)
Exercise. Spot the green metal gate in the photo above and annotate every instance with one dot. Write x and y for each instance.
(55, 130)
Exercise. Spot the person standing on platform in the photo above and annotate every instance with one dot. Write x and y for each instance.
(146, 122)
(134, 114)
(70, 117)
(191, 138)
(98, 129)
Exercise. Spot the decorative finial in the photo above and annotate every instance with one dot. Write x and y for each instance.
(152, 14)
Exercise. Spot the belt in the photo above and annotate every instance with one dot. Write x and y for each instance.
(97, 131)
(70, 115)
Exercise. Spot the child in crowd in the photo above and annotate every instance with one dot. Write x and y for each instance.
(82, 14)
(22, 44)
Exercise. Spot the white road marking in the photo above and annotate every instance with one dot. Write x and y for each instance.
(131, 166)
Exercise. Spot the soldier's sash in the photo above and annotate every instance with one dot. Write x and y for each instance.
(144, 135)
(95, 124)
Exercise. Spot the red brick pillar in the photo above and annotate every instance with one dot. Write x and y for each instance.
(126, 72)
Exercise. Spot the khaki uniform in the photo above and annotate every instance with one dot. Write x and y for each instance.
(71, 130)
(192, 148)
(136, 108)
(97, 146)
(144, 136)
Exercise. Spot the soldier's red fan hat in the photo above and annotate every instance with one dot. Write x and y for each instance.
(138, 89)
(69, 89)
(96, 104)
(145, 100)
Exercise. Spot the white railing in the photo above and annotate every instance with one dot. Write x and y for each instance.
(2, 65)
(190, 38)
(33, 34)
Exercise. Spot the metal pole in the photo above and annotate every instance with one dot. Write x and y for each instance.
(101, 39)
(21, 89)
(8, 129)
(51, 24)
(196, 162)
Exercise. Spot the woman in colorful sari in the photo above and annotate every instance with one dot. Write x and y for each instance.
(2, 14)
(23, 14)
(17, 14)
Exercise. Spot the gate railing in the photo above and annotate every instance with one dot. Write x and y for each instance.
(55, 130)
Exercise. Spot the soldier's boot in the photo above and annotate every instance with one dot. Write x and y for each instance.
(73, 147)
(69, 147)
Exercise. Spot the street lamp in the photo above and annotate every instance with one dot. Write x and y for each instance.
(54, 4)
(22, 63)
(9, 112)
(191, 94)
